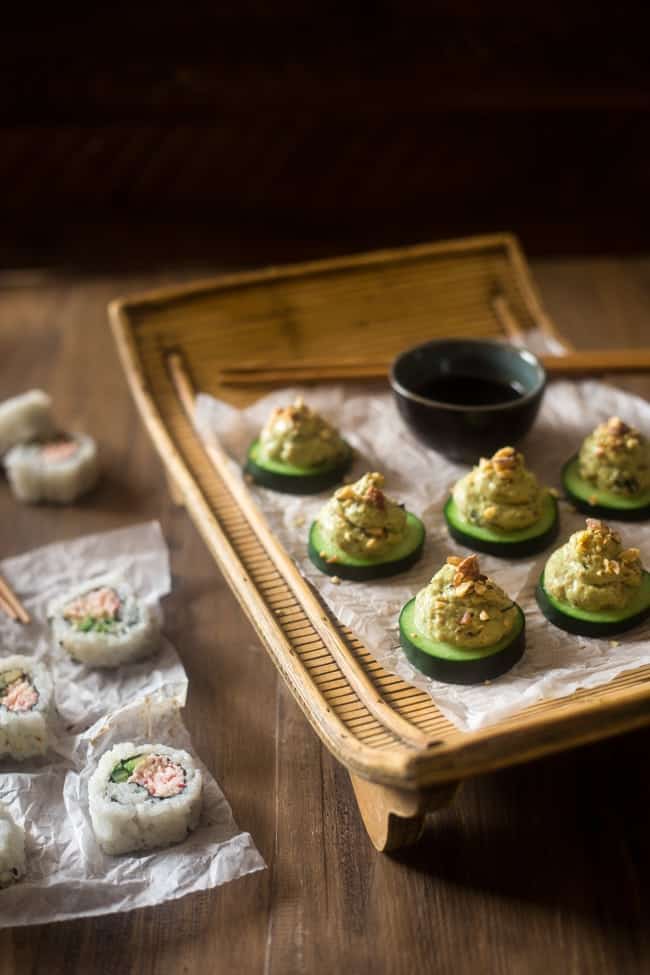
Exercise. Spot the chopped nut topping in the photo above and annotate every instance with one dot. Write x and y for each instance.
(345, 493)
(464, 587)
(466, 618)
(616, 426)
(490, 513)
(630, 555)
(596, 525)
(479, 588)
(372, 543)
(376, 498)
(454, 560)
(483, 615)
(631, 443)
(469, 567)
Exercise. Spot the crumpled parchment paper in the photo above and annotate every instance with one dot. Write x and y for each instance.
(67, 874)
(555, 663)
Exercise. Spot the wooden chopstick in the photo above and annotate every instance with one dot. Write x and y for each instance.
(10, 599)
(582, 362)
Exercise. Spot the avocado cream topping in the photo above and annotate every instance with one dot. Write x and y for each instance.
(593, 571)
(500, 493)
(616, 457)
(463, 607)
(362, 520)
(300, 436)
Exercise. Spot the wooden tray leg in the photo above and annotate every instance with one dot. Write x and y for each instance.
(395, 817)
(174, 492)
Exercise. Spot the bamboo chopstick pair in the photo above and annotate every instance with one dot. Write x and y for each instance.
(11, 604)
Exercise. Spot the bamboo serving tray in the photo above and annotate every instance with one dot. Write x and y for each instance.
(404, 757)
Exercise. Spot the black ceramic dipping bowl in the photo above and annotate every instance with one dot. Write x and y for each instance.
(467, 397)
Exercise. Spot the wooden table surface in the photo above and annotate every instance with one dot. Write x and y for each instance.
(537, 869)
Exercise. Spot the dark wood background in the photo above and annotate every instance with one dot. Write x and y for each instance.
(252, 131)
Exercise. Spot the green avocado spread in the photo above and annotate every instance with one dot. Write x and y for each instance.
(362, 520)
(616, 457)
(593, 571)
(500, 492)
(300, 436)
(463, 607)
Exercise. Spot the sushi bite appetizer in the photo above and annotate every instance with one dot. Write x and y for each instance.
(361, 533)
(58, 470)
(593, 586)
(298, 452)
(104, 624)
(144, 796)
(25, 707)
(12, 849)
(462, 628)
(610, 476)
(24, 418)
(500, 508)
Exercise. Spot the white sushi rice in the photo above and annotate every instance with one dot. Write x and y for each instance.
(12, 849)
(25, 733)
(34, 478)
(25, 417)
(134, 635)
(126, 818)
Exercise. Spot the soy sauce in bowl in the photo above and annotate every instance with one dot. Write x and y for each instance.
(470, 390)
(467, 397)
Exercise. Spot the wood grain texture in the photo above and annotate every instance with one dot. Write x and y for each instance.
(539, 868)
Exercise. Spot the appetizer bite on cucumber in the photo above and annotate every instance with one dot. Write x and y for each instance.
(500, 508)
(593, 586)
(298, 452)
(363, 534)
(610, 476)
(462, 628)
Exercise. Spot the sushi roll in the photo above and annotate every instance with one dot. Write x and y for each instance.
(25, 418)
(144, 796)
(12, 850)
(25, 705)
(104, 624)
(59, 470)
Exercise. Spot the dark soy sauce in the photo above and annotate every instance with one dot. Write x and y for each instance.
(470, 390)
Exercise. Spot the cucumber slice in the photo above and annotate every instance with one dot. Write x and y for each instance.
(336, 562)
(289, 479)
(460, 665)
(584, 623)
(605, 504)
(507, 545)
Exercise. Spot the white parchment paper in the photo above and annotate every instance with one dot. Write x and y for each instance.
(555, 663)
(67, 874)
(82, 695)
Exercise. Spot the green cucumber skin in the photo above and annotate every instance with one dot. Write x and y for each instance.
(465, 671)
(601, 510)
(504, 549)
(302, 484)
(590, 628)
(363, 573)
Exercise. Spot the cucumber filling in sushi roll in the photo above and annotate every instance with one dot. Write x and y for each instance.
(12, 849)
(25, 705)
(363, 534)
(24, 418)
(104, 624)
(144, 796)
(57, 471)
(298, 452)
